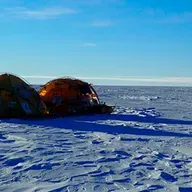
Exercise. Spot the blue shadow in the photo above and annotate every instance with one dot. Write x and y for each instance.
(86, 123)
(146, 119)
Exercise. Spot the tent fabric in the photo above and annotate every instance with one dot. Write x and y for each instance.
(70, 91)
(65, 94)
(18, 99)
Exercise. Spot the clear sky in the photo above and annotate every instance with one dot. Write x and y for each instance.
(112, 41)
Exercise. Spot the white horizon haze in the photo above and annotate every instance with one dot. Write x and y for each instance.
(130, 80)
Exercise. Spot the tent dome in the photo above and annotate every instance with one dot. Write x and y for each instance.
(67, 96)
(64, 95)
(18, 99)
(71, 91)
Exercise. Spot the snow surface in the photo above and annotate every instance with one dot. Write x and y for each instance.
(145, 145)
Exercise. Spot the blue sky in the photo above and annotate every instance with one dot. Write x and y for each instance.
(103, 41)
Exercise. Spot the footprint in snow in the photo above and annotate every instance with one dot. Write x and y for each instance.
(185, 189)
(2, 137)
(14, 161)
(96, 142)
(168, 177)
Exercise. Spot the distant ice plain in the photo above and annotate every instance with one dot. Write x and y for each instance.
(145, 145)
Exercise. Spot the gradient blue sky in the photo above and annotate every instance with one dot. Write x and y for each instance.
(112, 41)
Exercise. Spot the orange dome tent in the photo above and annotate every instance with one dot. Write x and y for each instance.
(18, 99)
(66, 96)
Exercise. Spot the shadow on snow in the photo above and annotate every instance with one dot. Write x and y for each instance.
(141, 119)
(87, 123)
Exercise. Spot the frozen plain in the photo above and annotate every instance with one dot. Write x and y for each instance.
(145, 145)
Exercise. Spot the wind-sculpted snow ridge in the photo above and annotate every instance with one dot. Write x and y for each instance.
(144, 112)
(133, 149)
(139, 98)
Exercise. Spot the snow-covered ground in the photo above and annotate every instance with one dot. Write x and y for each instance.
(145, 145)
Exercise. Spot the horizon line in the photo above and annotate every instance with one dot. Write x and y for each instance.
(128, 78)
(147, 80)
(117, 80)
